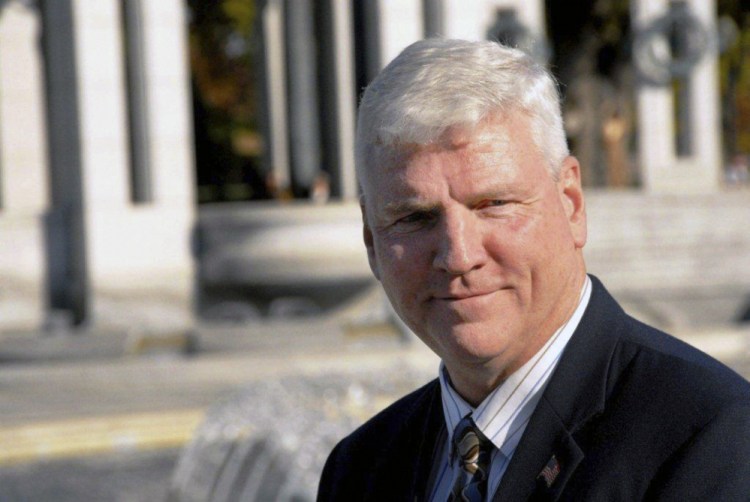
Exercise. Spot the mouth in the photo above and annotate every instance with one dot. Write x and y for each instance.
(462, 296)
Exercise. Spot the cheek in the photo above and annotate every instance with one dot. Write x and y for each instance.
(402, 265)
(390, 255)
(399, 254)
(519, 229)
(511, 238)
(522, 245)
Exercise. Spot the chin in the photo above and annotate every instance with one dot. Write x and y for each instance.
(472, 342)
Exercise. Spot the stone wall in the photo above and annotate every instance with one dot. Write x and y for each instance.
(675, 260)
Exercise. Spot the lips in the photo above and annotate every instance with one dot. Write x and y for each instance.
(463, 296)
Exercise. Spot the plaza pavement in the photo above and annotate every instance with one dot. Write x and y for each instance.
(83, 394)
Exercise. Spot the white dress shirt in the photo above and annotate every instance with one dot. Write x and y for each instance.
(503, 415)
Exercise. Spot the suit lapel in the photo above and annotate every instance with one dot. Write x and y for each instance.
(546, 444)
(551, 480)
(548, 454)
(405, 470)
(431, 430)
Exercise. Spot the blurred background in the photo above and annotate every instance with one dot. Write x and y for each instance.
(180, 252)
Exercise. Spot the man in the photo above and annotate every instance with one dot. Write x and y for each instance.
(474, 223)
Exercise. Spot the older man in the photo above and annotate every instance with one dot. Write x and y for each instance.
(474, 223)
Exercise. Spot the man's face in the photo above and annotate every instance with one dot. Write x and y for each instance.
(477, 247)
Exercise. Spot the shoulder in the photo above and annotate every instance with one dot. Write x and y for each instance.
(677, 419)
(642, 380)
(687, 407)
(667, 365)
(393, 420)
(355, 463)
(708, 407)
(630, 352)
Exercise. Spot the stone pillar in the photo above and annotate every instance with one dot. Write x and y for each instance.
(136, 263)
(168, 269)
(434, 18)
(471, 19)
(103, 163)
(141, 179)
(400, 23)
(23, 169)
(339, 100)
(663, 168)
(168, 97)
(302, 97)
(274, 109)
(67, 279)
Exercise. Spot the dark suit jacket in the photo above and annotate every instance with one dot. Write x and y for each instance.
(630, 414)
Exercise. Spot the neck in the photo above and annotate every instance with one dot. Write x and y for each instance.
(474, 383)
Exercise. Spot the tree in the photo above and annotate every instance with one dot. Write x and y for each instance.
(223, 55)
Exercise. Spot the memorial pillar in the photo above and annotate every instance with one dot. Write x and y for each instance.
(400, 23)
(23, 169)
(674, 47)
(302, 97)
(434, 18)
(473, 19)
(274, 89)
(338, 99)
(124, 234)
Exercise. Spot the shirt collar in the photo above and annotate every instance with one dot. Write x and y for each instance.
(503, 414)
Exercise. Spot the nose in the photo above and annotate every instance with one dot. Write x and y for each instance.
(460, 247)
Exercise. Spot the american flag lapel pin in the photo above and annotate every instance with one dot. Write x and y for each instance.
(550, 472)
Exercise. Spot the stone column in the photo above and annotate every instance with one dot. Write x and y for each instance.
(168, 269)
(23, 169)
(663, 168)
(400, 23)
(346, 98)
(434, 18)
(471, 19)
(103, 164)
(67, 280)
(132, 257)
(274, 109)
(338, 100)
(302, 97)
(168, 96)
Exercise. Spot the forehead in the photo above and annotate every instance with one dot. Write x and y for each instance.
(500, 148)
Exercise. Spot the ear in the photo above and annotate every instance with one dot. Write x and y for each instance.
(571, 195)
(369, 242)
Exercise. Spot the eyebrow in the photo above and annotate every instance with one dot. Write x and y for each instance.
(493, 192)
(408, 206)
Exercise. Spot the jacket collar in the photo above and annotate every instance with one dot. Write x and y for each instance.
(432, 433)
(576, 393)
(415, 438)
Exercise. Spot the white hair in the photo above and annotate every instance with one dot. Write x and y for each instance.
(437, 84)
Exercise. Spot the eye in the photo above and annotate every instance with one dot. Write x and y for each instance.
(495, 208)
(415, 220)
(496, 202)
(492, 203)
